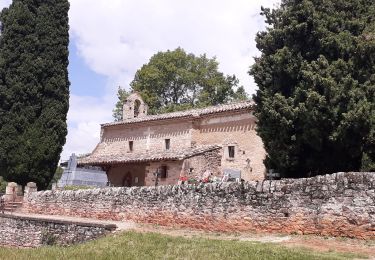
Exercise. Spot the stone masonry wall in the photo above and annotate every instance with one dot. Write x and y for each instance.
(208, 161)
(173, 173)
(146, 137)
(238, 130)
(341, 204)
(17, 231)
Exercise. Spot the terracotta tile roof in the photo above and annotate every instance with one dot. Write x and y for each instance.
(101, 157)
(188, 113)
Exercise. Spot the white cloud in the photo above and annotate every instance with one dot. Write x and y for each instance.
(116, 37)
(4, 3)
(88, 108)
(84, 118)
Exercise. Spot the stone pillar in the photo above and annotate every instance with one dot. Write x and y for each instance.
(30, 187)
(19, 191)
(11, 191)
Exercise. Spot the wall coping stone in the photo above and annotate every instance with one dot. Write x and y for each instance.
(60, 221)
(258, 186)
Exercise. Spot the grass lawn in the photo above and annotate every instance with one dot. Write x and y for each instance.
(133, 245)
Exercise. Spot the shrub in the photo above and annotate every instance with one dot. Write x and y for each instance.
(3, 185)
(48, 238)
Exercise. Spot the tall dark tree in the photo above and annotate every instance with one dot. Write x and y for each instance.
(316, 78)
(176, 80)
(34, 89)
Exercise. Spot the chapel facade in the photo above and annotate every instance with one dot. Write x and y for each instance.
(193, 143)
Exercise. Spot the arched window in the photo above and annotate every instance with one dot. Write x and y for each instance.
(137, 104)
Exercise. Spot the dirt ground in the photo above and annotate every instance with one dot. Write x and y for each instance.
(364, 248)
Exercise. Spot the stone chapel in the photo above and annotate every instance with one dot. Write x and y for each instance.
(213, 140)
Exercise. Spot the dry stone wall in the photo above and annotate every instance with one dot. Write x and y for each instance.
(341, 204)
(19, 231)
(209, 161)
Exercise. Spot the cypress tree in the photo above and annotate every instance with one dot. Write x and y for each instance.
(316, 79)
(34, 89)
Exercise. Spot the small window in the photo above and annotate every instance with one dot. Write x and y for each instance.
(167, 144)
(231, 151)
(131, 146)
(163, 172)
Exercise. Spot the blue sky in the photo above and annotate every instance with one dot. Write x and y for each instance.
(111, 39)
(83, 80)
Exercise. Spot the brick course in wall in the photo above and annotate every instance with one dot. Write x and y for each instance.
(341, 204)
(18, 231)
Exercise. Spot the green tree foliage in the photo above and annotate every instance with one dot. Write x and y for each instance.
(122, 95)
(176, 80)
(240, 94)
(316, 78)
(3, 185)
(34, 89)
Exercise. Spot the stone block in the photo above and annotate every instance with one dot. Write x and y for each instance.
(11, 191)
(30, 187)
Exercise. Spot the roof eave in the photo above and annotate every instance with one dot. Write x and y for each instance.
(106, 163)
(148, 121)
(180, 158)
(151, 120)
